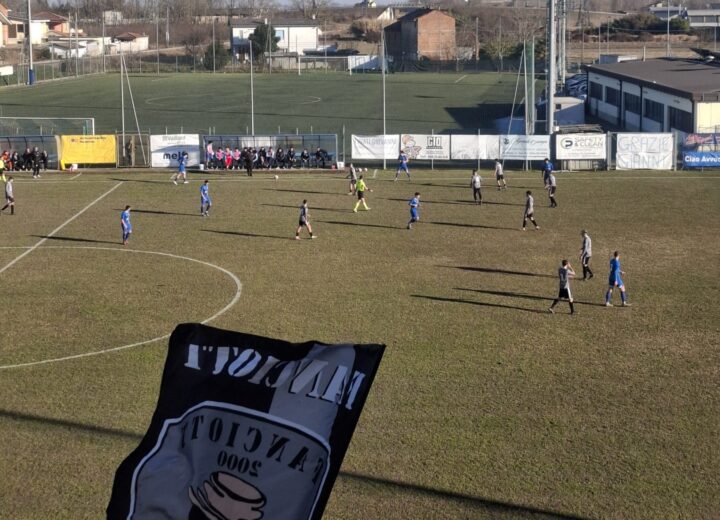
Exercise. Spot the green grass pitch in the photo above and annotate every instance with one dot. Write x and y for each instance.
(319, 103)
(485, 405)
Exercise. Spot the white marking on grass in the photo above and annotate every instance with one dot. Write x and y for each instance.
(52, 233)
(75, 176)
(233, 301)
(460, 79)
(315, 99)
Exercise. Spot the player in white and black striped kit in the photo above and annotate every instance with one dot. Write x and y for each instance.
(9, 196)
(565, 272)
(529, 210)
(552, 188)
(585, 255)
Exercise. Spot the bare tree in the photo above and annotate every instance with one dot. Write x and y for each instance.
(310, 8)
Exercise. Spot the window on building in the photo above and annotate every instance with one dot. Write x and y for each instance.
(655, 111)
(632, 103)
(596, 91)
(612, 96)
(680, 120)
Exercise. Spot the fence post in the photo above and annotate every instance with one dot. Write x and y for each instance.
(432, 161)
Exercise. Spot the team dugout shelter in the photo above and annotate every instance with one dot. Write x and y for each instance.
(657, 95)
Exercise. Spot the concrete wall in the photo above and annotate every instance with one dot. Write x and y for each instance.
(707, 117)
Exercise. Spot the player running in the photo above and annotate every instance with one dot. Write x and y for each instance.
(205, 200)
(529, 210)
(360, 190)
(585, 255)
(304, 221)
(414, 207)
(565, 272)
(403, 165)
(126, 225)
(500, 175)
(9, 196)
(476, 185)
(182, 163)
(615, 280)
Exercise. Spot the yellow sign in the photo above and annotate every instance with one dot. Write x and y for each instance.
(87, 149)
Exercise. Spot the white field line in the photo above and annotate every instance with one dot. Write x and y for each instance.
(75, 176)
(76, 215)
(236, 297)
(460, 79)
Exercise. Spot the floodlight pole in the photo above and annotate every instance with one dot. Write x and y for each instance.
(213, 42)
(29, 40)
(77, 46)
(382, 44)
(157, 39)
(252, 92)
(667, 51)
(122, 102)
(552, 64)
(103, 43)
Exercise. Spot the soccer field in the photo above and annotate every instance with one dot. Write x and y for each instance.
(485, 405)
(319, 103)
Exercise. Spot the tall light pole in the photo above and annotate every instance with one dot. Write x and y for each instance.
(552, 63)
(31, 73)
(382, 45)
(667, 51)
(252, 93)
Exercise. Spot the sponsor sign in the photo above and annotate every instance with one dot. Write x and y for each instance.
(87, 149)
(245, 427)
(524, 147)
(644, 152)
(580, 146)
(474, 147)
(375, 146)
(701, 159)
(165, 150)
(426, 147)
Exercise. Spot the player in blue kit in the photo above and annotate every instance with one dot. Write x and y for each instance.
(205, 200)
(182, 165)
(414, 205)
(615, 280)
(403, 165)
(126, 225)
(547, 169)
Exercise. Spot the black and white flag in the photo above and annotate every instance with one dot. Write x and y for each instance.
(245, 427)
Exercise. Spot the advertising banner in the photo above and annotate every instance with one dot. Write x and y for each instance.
(245, 427)
(701, 159)
(165, 150)
(87, 149)
(644, 152)
(425, 146)
(474, 147)
(701, 151)
(524, 147)
(375, 146)
(580, 146)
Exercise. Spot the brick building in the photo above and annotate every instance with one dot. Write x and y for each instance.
(422, 34)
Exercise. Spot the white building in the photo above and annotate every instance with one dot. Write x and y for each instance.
(659, 95)
(294, 35)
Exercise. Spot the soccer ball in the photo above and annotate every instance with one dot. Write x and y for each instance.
(277, 177)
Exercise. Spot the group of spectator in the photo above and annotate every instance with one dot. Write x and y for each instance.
(29, 160)
(270, 158)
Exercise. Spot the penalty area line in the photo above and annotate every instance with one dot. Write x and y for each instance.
(461, 78)
(52, 233)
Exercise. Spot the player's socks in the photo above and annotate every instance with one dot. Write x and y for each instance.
(572, 308)
(622, 296)
(608, 295)
(12, 210)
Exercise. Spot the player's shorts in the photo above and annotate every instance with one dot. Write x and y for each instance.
(585, 259)
(552, 190)
(529, 215)
(181, 169)
(9, 199)
(302, 223)
(403, 167)
(564, 294)
(615, 281)
(414, 215)
(207, 201)
(360, 194)
(499, 177)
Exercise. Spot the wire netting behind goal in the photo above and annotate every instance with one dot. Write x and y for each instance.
(47, 125)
